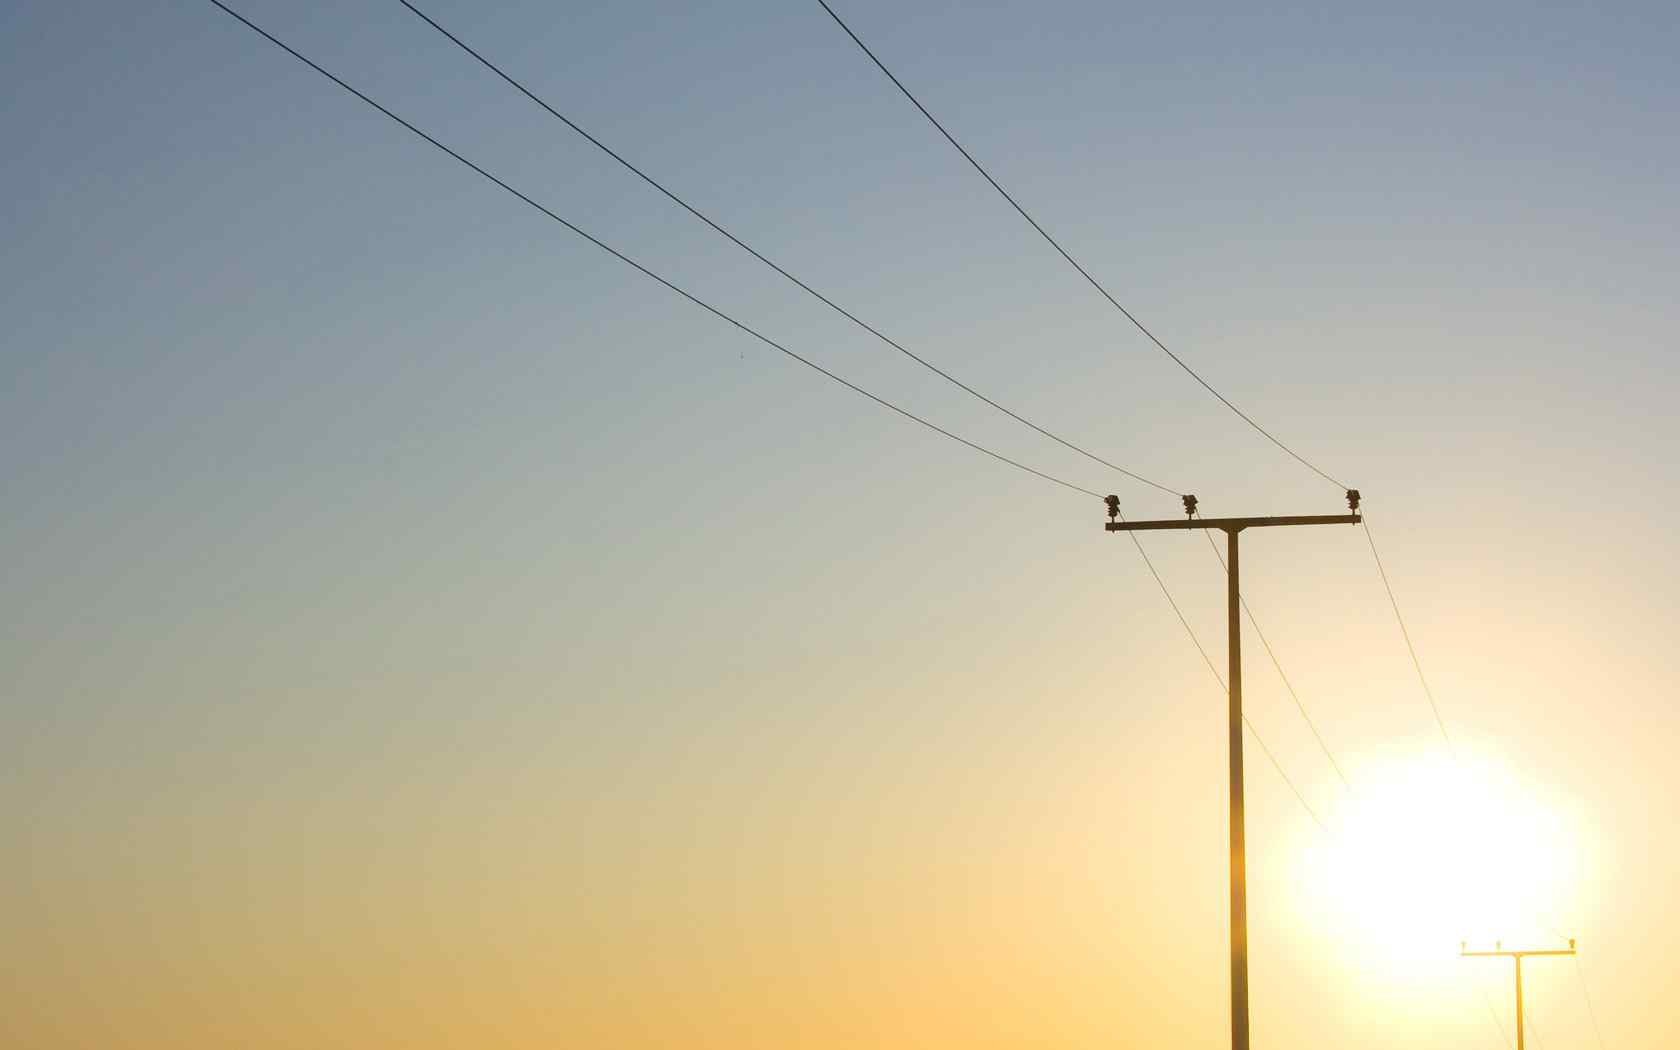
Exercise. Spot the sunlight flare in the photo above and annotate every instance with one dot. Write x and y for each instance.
(1430, 852)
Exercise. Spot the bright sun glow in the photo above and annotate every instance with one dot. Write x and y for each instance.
(1429, 853)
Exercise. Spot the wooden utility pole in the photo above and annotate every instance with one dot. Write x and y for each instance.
(1516, 956)
(1233, 597)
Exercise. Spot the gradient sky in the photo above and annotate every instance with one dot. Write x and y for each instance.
(424, 631)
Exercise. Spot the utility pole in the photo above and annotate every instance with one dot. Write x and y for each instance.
(1517, 957)
(1233, 597)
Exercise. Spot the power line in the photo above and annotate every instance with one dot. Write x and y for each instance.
(1585, 994)
(790, 353)
(1435, 709)
(1493, 1014)
(1581, 980)
(1083, 272)
(1534, 1029)
(1276, 663)
(1279, 767)
(1233, 526)
(1223, 687)
(757, 335)
(756, 254)
(874, 331)
(1255, 733)
(807, 362)
(1407, 635)
(839, 379)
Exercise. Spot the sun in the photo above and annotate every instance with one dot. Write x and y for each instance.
(1426, 853)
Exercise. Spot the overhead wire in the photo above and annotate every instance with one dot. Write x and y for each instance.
(756, 254)
(1492, 1013)
(1388, 587)
(1580, 977)
(740, 325)
(1113, 301)
(888, 404)
(1259, 739)
(1063, 252)
(1394, 603)
(696, 300)
(851, 316)
(1307, 717)
(1592, 1012)
(1278, 665)
(1276, 765)
(1224, 687)
(1434, 707)
(1529, 1027)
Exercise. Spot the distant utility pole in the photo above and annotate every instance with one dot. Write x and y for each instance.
(1517, 956)
(1233, 598)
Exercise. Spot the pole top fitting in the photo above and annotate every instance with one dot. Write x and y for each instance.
(1189, 506)
(1353, 500)
(1113, 506)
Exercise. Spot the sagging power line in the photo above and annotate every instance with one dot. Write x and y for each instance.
(738, 324)
(802, 360)
(1116, 304)
(883, 402)
(1071, 261)
(778, 268)
(645, 271)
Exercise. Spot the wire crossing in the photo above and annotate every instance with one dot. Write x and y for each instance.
(696, 300)
(1063, 252)
(756, 254)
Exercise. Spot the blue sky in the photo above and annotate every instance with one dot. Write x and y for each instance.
(342, 490)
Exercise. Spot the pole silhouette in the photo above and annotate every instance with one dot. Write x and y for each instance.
(1232, 527)
(1515, 956)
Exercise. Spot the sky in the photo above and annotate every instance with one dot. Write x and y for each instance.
(423, 630)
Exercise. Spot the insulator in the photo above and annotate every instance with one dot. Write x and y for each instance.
(1113, 506)
(1353, 500)
(1190, 506)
